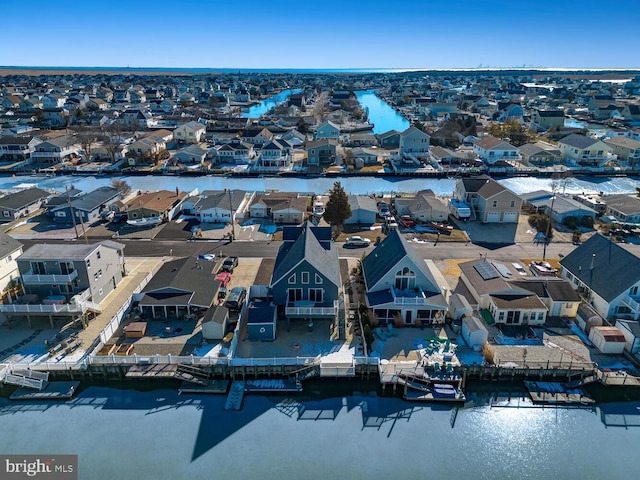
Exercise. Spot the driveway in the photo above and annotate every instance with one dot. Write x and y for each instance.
(489, 235)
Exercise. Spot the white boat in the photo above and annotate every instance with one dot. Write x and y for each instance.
(145, 222)
(318, 209)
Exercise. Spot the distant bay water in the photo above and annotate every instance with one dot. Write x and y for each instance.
(319, 185)
(380, 113)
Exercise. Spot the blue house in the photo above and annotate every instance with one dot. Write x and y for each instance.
(306, 274)
(86, 207)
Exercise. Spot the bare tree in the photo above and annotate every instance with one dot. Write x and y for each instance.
(111, 140)
(87, 137)
(122, 186)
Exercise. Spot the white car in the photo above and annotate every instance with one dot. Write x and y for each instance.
(357, 242)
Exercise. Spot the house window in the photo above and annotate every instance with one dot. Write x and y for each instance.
(38, 268)
(495, 204)
(318, 279)
(292, 279)
(405, 279)
(88, 264)
(315, 295)
(305, 277)
(98, 255)
(634, 291)
(99, 273)
(501, 317)
(100, 292)
(295, 294)
(95, 276)
(513, 203)
(6, 213)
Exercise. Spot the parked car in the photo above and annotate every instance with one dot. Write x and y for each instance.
(407, 221)
(120, 218)
(224, 278)
(357, 242)
(229, 264)
(236, 297)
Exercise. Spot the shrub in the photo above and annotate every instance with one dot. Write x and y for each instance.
(570, 222)
(587, 221)
(368, 336)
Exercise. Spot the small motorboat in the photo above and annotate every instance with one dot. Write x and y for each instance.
(318, 209)
(145, 222)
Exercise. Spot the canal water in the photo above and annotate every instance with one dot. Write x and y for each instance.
(162, 435)
(256, 111)
(353, 185)
(380, 113)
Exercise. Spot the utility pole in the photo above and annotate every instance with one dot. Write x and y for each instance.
(233, 227)
(73, 218)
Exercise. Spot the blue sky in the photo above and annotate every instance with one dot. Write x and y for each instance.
(321, 34)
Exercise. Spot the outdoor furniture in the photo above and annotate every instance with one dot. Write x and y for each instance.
(391, 330)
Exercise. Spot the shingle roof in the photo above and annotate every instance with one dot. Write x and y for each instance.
(577, 141)
(387, 254)
(94, 199)
(188, 275)
(490, 141)
(624, 203)
(8, 245)
(75, 251)
(623, 142)
(558, 289)
(20, 199)
(614, 268)
(307, 247)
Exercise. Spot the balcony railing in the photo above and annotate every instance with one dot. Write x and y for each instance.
(418, 299)
(66, 308)
(31, 278)
(632, 304)
(312, 311)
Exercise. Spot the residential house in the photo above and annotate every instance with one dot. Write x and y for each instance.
(557, 294)
(491, 150)
(624, 207)
(180, 287)
(97, 104)
(86, 207)
(364, 156)
(362, 140)
(321, 152)
(163, 204)
(22, 203)
(327, 129)
(540, 154)
(53, 100)
(559, 207)
(67, 280)
(147, 146)
(401, 286)
(363, 210)
(240, 153)
(390, 139)
(190, 155)
(625, 148)
(212, 206)
(414, 143)
(445, 157)
(10, 102)
(584, 150)
(306, 274)
(274, 155)
(631, 331)
(607, 275)
(191, 132)
(18, 148)
(58, 149)
(489, 200)
(279, 207)
(10, 250)
(498, 300)
(134, 117)
(167, 105)
(257, 136)
(631, 111)
(423, 207)
(546, 119)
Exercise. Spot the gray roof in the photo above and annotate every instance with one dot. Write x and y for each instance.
(15, 201)
(64, 141)
(631, 325)
(216, 314)
(213, 199)
(362, 202)
(624, 203)
(614, 268)
(8, 245)
(94, 199)
(537, 195)
(562, 205)
(189, 275)
(557, 289)
(308, 247)
(577, 141)
(387, 254)
(49, 251)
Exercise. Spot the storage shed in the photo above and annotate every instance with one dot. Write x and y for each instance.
(474, 332)
(214, 323)
(607, 339)
(459, 306)
(261, 320)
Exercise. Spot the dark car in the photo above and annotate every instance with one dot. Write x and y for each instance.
(120, 218)
(229, 264)
(236, 297)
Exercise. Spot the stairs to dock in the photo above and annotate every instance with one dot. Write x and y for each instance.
(304, 373)
(192, 374)
(25, 378)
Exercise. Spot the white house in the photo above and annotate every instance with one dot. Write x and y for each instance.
(414, 142)
(190, 132)
(491, 150)
(327, 129)
(585, 150)
(10, 249)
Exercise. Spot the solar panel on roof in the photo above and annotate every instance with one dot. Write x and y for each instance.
(486, 271)
(504, 271)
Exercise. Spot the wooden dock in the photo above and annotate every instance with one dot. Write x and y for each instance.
(213, 387)
(51, 391)
(554, 393)
(152, 371)
(236, 394)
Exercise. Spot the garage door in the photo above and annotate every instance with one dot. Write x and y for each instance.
(510, 217)
(493, 217)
